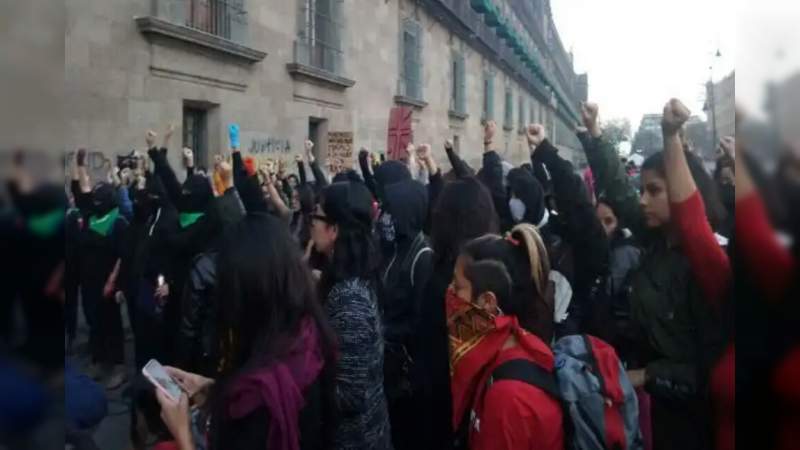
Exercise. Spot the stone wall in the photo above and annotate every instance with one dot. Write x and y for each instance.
(120, 83)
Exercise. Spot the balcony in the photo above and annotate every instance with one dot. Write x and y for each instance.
(317, 52)
(217, 25)
(474, 27)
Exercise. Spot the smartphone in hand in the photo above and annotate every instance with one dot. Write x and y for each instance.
(155, 373)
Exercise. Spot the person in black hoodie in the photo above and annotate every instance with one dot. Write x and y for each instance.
(35, 240)
(464, 210)
(406, 266)
(195, 227)
(101, 247)
(197, 309)
(145, 259)
(584, 241)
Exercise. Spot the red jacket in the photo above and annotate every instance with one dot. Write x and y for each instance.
(712, 270)
(515, 415)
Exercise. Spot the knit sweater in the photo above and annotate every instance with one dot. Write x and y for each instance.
(363, 419)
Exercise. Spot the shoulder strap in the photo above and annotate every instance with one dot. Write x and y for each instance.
(527, 372)
(424, 249)
(592, 361)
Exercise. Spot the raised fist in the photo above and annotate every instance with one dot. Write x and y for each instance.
(448, 144)
(150, 138)
(308, 145)
(424, 152)
(675, 115)
(489, 131)
(188, 157)
(168, 133)
(80, 159)
(125, 176)
(535, 134)
(589, 113)
(298, 158)
(728, 146)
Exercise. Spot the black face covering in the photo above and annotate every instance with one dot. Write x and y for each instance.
(143, 205)
(196, 195)
(103, 199)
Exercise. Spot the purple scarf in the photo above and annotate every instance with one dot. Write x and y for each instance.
(280, 388)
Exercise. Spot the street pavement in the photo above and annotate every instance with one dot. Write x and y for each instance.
(113, 433)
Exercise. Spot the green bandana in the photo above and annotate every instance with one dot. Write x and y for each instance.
(102, 225)
(189, 218)
(46, 224)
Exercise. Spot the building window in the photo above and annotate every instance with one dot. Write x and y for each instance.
(411, 67)
(532, 116)
(488, 96)
(458, 85)
(217, 17)
(508, 123)
(521, 112)
(195, 133)
(319, 38)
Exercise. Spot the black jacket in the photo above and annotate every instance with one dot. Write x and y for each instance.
(491, 174)
(432, 368)
(197, 320)
(577, 224)
(406, 270)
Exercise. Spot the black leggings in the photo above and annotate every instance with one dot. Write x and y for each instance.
(106, 339)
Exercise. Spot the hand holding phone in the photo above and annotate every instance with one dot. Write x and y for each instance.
(156, 374)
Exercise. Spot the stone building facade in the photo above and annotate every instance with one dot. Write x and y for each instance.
(332, 70)
(723, 100)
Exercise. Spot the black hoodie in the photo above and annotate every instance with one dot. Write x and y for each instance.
(408, 260)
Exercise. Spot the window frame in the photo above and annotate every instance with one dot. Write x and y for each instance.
(411, 84)
(487, 112)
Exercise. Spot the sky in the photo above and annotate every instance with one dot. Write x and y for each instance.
(767, 37)
(641, 53)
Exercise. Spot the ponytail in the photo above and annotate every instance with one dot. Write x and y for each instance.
(528, 237)
(524, 256)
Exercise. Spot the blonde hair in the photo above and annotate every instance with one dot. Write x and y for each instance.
(528, 235)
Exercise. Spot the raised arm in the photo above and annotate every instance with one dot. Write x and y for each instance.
(301, 170)
(319, 176)
(492, 176)
(459, 166)
(708, 260)
(583, 229)
(366, 172)
(163, 170)
(611, 180)
(274, 196)
(435, 182)
(80, 185)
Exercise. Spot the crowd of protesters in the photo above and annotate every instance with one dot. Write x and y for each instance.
(403, 306)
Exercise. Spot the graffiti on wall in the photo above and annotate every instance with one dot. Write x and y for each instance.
(269, 145)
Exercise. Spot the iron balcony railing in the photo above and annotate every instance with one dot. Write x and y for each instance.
(319, 39)
(224, 18)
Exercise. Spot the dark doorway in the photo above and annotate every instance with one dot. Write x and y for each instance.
(195, 133)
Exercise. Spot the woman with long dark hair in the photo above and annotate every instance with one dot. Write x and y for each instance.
(677, 331)
(464, 210)
(342, 232)
(275, 349)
